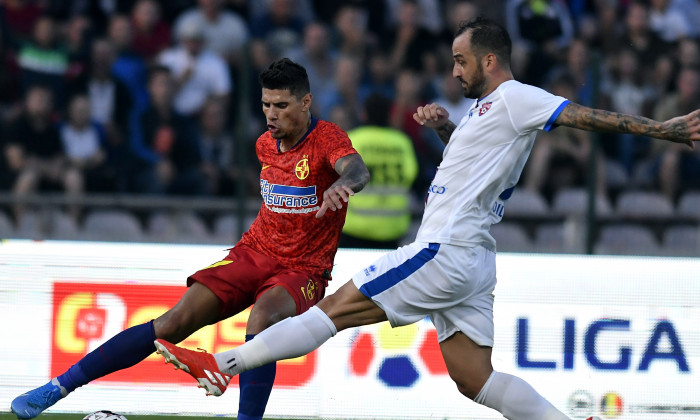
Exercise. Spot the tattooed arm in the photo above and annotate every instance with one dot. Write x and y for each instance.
(353, 172)
(437, 118)
(684, 129)
(354, 175)
(445, 131)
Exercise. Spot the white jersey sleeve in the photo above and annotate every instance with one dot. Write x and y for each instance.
(535, 109)
(482, 162)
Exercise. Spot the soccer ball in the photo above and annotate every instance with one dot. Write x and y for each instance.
(104, 415)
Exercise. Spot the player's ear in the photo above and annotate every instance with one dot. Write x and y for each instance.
(489, 61)
(306, 102)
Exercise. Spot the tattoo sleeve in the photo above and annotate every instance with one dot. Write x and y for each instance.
(445, 131)
(353, 172)
(578, 116)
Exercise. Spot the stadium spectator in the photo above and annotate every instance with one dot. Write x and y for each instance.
(9, 162)
(638, 36)
(429, 16)
(408, 89)
(380, 215)
(669, 22)
(199, 73)
(411, 45)
(579, 66)
(77, 39)
(84, 145)
(224, 31)
(601, 27)
(279, 27)
(560, 158)
(43, 61)
(111, 107)
(374, 12)
(345, 90)
(358, 28)
(302, 10)
(691, 11)
(9, 81)
(220, 160)
(36, 154)
(379, 77)
(151, 32)
(169, 156)
(679, 168)
(317, 56)
(110, 101)
(451, 97)
(627, 92)
(688, 53)
(343, 117)
(20, 16)
(544, 28)
(128, 66)
(351, 35)
(663, 73)
(454, 13)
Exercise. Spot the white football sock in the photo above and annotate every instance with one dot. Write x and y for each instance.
(292, 337)
(516, 399)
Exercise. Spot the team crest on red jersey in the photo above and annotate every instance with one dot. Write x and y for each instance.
(302, 168)
(484, 108)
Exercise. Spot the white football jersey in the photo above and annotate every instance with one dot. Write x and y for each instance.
(482, 163)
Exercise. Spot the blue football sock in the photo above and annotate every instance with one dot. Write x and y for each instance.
(256, 386)
(73, 378)
(119, 352)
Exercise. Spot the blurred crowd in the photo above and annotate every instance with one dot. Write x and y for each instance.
(161, 96)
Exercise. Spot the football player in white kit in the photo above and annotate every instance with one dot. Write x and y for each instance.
(449, 272)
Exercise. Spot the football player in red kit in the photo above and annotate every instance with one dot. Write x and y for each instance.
(282, 264)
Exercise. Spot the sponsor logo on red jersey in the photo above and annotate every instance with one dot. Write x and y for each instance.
(302, 168)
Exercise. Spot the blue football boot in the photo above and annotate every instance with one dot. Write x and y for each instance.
(32, 403)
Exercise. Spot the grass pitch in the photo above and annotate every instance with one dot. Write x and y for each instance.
(76, 416)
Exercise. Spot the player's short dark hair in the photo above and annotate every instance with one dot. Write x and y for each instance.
(487, 36)
(285, 74)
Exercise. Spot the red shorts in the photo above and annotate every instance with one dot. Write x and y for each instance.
(244, 275)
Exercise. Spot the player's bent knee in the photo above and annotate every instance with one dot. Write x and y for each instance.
(468, 390)
(265, 318)
(175, 325)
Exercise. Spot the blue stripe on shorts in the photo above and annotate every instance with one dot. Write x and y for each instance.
(396, 274)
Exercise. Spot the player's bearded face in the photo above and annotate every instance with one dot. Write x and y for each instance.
(468, 68)
(285, 114)
(475, 84)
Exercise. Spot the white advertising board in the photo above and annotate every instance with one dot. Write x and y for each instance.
(614, 337)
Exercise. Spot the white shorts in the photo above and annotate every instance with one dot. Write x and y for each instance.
(451, 284)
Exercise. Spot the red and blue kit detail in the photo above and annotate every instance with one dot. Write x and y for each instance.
(292, 184)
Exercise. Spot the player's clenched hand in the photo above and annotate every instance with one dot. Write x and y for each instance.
(432, 115)
(333, 199)
(684, 129)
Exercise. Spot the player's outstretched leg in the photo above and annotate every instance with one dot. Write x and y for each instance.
(121, 351)
(199, 364)
(292, 337)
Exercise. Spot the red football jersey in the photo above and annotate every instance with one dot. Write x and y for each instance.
(292, 184)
